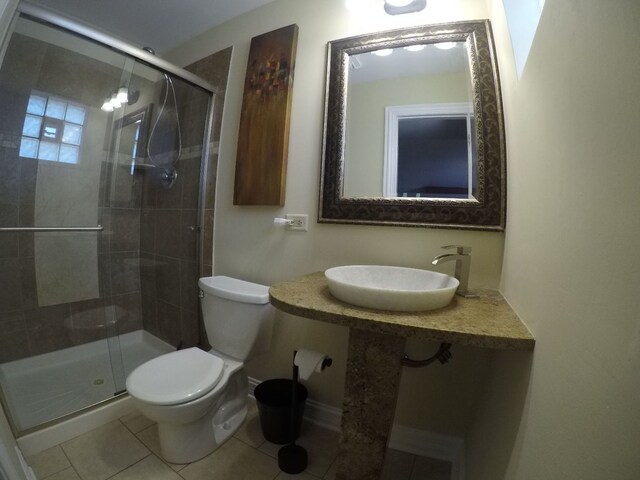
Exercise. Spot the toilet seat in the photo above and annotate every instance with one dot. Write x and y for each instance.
(177, 377)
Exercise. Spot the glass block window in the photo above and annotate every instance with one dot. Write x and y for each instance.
(52, 129)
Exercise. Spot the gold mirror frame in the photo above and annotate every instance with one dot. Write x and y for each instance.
(488, 210)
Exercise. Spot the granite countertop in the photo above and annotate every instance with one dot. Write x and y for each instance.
(486, 321)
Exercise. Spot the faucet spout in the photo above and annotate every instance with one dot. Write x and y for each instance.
(463, 266)
(446, 257)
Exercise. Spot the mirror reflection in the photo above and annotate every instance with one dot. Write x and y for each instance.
(409, 123)
(132, 133)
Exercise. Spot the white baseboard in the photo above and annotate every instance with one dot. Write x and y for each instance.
(406, 439)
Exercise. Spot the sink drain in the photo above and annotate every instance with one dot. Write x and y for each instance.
(98, 381)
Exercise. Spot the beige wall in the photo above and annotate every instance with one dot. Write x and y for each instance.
(364, 152)
(248, 246)
(572, 265)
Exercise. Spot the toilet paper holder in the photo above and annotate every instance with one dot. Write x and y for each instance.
(309, 362)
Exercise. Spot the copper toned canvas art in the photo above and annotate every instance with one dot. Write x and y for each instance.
(263, 138)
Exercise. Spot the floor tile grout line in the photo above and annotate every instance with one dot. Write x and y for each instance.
(73, 467)
(266, 455)
(158, 456)
(125, 426)
(126, 468)
(249, 444)
(144, 430)
(413, 467)
(178, 473)
(70, 462)
(182, 469)
(330, 467)
(149, 452)
(141, 443)
(70, 467)
(57, 471)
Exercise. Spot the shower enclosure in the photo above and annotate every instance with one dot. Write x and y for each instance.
(101, 161)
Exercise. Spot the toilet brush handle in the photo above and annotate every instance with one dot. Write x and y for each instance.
(294, 388)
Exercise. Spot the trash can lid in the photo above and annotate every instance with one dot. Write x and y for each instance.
(177, 377)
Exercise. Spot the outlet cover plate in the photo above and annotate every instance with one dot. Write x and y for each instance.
(300, 221)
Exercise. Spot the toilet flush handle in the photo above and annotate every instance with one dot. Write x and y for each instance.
(200, 294)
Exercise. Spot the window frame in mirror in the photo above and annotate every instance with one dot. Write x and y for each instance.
(143, 115)
(488, 210)
(395, 113)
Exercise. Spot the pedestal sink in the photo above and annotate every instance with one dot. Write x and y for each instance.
(391, 288)
(376, 346)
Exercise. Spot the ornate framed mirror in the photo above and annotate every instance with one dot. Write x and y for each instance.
(414, 130)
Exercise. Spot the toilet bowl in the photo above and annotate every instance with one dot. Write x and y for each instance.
(198, 398)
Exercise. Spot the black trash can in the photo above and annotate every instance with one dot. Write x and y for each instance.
(273, 398)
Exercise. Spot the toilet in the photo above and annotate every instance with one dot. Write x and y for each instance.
(198, 398)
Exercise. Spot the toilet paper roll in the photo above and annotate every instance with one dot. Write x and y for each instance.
(308, 361)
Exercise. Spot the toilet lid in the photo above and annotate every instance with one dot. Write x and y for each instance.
(177, 377)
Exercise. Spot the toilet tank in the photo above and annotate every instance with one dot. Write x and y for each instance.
(238, 317)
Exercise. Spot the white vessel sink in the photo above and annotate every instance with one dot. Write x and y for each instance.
(391, 288)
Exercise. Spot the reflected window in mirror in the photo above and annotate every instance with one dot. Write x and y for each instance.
(130, 137)
(430, 151)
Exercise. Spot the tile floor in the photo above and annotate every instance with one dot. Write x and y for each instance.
(128, 449)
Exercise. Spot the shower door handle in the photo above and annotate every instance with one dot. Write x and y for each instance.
(97, 228)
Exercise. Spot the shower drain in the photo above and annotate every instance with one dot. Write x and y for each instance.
(98, 381)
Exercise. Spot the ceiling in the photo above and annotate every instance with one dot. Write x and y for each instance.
(160, 24)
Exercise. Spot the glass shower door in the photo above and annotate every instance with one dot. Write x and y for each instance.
(100, 173)
(59, 314)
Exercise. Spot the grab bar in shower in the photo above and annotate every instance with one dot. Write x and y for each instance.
(97, 228)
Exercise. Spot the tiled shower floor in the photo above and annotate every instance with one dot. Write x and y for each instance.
(128, 449)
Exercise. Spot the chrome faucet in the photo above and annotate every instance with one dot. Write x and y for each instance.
(463, 265)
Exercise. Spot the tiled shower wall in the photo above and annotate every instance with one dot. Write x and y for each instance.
(168, 267)
(215, 70)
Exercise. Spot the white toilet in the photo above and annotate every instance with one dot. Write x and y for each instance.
(199, 399)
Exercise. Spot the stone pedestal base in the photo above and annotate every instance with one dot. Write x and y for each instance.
(371, 390)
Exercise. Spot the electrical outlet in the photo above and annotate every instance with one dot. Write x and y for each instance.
(299, 221)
